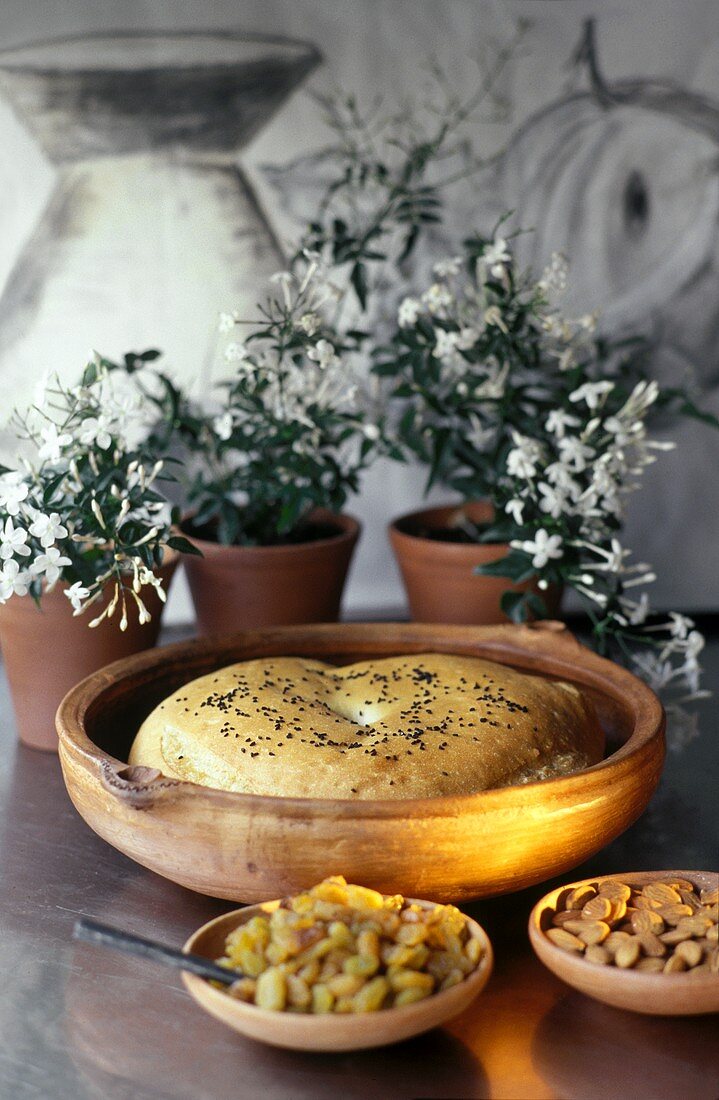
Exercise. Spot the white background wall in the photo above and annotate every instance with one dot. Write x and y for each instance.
(379, 46)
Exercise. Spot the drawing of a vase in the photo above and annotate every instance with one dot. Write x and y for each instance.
(152, 228)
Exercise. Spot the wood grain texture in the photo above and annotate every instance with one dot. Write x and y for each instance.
(328, 1032)
(250, 847)
(653, 994)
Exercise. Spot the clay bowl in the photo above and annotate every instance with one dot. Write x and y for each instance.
(327, 1032)
(248, 847)
(639, 991)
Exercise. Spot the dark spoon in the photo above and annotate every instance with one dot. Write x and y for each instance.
(103, 935)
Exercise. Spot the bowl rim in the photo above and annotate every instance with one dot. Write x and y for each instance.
(545, 647)
(305, 1023)
(575, 966)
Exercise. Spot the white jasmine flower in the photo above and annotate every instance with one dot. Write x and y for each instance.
(574, 453)
(558, 421)
(636, 612)
(592, 393)
(623, 432)
(496, 255)
(679, 625)
(588, 321)
(479, 437)
(492, 389)
(613, 559)
(467, 338)
(48, 528)
(285, 280)
(13, 541)
(437, 298)
(558, 328)
(645, 578)
(222, 425)
(94, 429)
(41, 387)
(408, 312)
(52, 443)
(235, 352)
(657, 673)
(323, 353)
(76, 593)
(446, 344)
(371, 431)
(50, 563)
(13, 581)
(147, 577)
(553, 501)
(639, 401)
(515, 508)
(309, 323)
(226, 322)
(543, 547)
(694, 644)
(557, 473)
(493, 316)
(555, 275)
(523, 459)
(444, 268)
(13, 491)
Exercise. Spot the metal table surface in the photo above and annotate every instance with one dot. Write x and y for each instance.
(77, 1022)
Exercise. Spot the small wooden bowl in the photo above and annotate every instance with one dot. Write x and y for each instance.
(327, 1032)
(246, 847)
(636, 990)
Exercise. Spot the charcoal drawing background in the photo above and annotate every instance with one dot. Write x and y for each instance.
(612, 157)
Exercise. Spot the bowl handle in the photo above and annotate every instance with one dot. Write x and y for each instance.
(137, 786)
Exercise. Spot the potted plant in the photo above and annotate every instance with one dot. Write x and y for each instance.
(270, 462)
(86, 548)
(511, 403)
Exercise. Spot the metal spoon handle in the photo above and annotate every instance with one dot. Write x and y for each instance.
(103, 935)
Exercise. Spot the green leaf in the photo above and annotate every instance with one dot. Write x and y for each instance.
(177, 542)
(516, 565)
(385, 370)
(409, 243)
(89, 375)
(358, 278)
(514, 606)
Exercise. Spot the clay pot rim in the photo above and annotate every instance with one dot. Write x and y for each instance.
(395, 525)
(545, 647)
(420, 545)
(349, 529)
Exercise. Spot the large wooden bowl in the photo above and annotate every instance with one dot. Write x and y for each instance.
(249, 847)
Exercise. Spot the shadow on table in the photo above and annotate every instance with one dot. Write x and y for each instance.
(584, 1048)
(121, 1027)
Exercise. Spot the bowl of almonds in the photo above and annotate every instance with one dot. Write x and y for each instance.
(341, 967)
(644, 941)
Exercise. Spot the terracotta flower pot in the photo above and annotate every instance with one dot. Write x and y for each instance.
(439, 576)
(246, 587)
(46, 650)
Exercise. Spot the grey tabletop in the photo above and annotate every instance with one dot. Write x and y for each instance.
(78, 1022)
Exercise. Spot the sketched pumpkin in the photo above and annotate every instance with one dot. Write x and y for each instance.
(624, 178)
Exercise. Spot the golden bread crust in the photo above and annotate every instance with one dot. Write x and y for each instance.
(413, 726)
